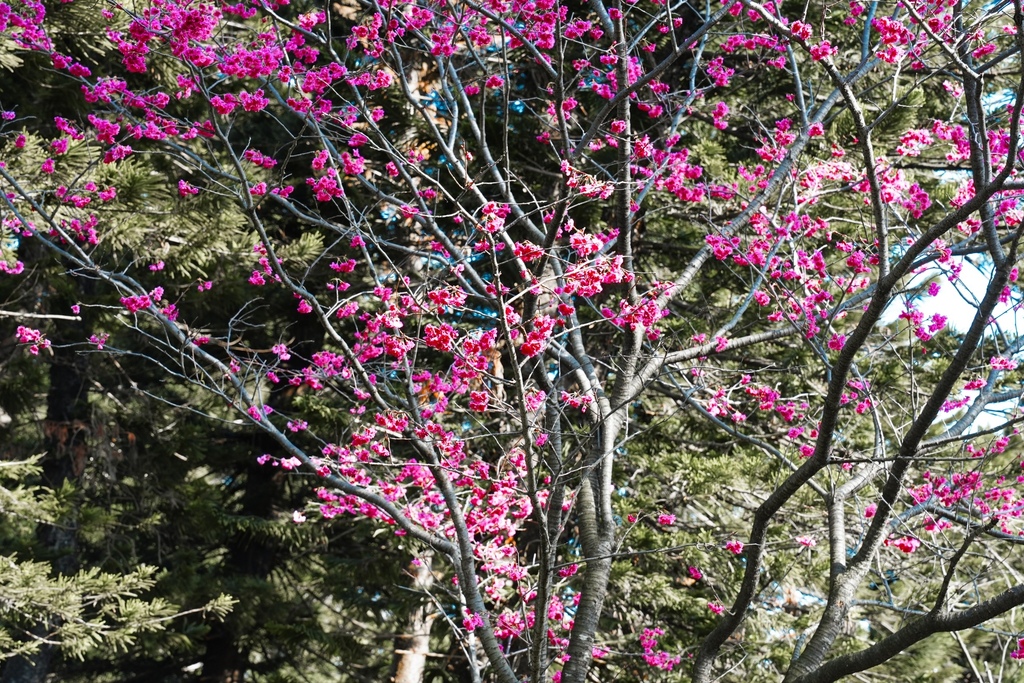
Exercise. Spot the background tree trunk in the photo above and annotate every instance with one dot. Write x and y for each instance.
(412, 647)
(66, 431)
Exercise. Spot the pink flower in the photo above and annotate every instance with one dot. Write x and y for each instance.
(311, 19)
(716, 607)
(320, 160)
(472, 622)
(870, 510)
(836, 342)
(806, 541)
(224, 105)
(254, 102)
(695, 573)
(135, 304)
(478, 401)
(28, 335)
(1002, 363)
(535, 399)
(735, 547)
(823, 50)
(801, 30)
(441, 337)
(116, 153)
(907, 544)
(666, 519)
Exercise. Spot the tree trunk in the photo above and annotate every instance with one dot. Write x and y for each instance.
(226, 658)
(66, 429)
(412, 647)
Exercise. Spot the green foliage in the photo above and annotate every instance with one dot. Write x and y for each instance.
(82, 612)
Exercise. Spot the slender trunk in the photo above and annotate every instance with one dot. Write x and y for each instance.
(253, 557)
(32, 668)
(224, 662)
(250, 558)
(65, 438)
(596, 542)
(412, 647)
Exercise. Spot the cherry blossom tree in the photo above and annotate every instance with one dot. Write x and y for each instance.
(520, 229)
